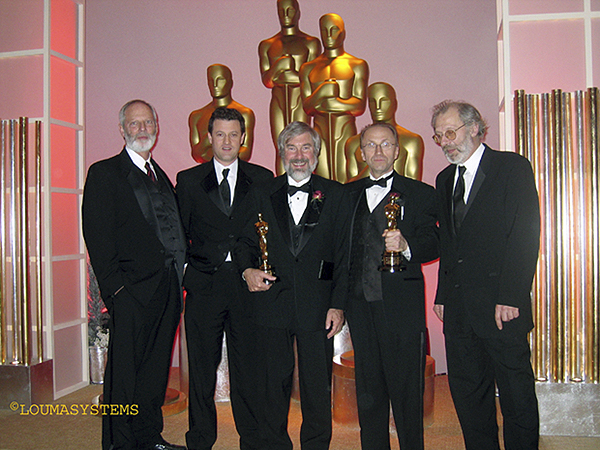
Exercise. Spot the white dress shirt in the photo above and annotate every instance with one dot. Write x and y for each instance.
(299, 200)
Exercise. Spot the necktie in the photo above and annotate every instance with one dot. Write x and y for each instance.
(225, 191)
(150, 173)
(458, 198)
(304, 188)
(382, 182)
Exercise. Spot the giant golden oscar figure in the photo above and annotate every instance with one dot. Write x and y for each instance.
(382, 106)
(334, 92)
(280, 59)
(220, 82)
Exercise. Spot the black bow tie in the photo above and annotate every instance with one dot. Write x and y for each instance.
(382, 182)
(304, 188)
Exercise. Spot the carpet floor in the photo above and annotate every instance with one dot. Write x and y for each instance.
(82, 431)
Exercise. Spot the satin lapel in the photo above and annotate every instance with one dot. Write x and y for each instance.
(447, 196)
(242, 186)
(279, 201)
(360, 195)
(310, 218)
(210, 185)
(138, 184)
(483, 168)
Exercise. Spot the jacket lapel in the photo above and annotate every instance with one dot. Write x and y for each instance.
(211, 187)
(242, 186)
(140, 189)
(279, 202)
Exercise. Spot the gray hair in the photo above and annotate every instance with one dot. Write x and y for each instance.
(131, 102)
(467, 113)
(296, 129)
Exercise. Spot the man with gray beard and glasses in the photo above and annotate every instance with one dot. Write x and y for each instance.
(303, 301)
(137, 248)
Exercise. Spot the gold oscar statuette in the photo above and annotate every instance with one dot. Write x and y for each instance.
(392, 261)
(262, 228)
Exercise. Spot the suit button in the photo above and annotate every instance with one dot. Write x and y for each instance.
(231, 236)
(457, 286)
(460, 261)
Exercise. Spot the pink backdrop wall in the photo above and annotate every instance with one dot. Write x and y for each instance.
(158, 50)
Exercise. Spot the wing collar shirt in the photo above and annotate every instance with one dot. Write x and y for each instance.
(376, 194)
(299, 200)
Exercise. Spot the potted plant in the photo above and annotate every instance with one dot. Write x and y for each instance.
(98, 334)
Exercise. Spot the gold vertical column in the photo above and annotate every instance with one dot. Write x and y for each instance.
(592, 297)
(13, 239)
(24, 235)
(38, 240)
(3, 343)
(520, 139)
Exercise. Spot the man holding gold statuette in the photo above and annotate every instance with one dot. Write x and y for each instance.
(211, 200)
(299, 224)
(393, 232)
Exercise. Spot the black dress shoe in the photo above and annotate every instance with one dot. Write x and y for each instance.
(164, 445)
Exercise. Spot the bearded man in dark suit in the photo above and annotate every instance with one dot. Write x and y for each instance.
(489, 233)
(136, 246)
(211, 200)
(304, 301)
(386, 310)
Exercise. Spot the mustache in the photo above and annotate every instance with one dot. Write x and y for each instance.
(299, 161)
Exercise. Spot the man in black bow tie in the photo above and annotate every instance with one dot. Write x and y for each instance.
(386, 310)
(211, 199)
(305, 299)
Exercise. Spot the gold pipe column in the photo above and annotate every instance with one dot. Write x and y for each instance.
(520, 130)
(13, 238)
(592, 298)
(3, 343)
(24, 235)
(38, 240)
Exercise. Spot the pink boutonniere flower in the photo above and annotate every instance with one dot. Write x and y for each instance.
(394, 196)
(318, 196)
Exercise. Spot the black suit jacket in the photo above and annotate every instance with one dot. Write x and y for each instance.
(120, 228)
(403, 292)
(306, 289)
(493, 259)
(211, 232)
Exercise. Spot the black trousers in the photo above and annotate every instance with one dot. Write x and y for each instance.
(315, 359)
(475, 366)
(213, 307)
(139, 358)
(389, 367)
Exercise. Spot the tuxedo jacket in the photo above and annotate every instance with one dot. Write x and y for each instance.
(312, 278)
(121, 231)
(403, 292)
(493, 258)
(211, 232)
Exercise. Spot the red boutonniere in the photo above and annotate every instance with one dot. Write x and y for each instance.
(394, 196)
(318, 196)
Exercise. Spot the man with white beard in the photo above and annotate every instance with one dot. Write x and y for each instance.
(305, 217)
(137, 247)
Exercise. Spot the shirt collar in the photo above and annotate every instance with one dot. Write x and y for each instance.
(219, 168)
(293, 182)
(472, 163)
(139, 160)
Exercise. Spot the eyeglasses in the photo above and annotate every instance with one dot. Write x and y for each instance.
(450, 135)
(383, 146)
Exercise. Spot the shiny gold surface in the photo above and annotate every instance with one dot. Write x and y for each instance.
(383, 104)
(558, 132)
(38, 240)
(220, 83)
(24, 235)
(334, 92)
(281, 57)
